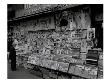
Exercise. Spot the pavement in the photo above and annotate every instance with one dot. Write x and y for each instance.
(20, 73)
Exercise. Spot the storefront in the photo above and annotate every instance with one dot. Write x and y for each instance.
(59, 41)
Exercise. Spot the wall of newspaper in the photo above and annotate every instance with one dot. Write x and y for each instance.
(44, 42)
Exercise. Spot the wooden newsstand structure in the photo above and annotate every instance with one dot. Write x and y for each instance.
(57, 41)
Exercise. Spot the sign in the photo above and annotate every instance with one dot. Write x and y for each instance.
(38, 6)
(30, 9)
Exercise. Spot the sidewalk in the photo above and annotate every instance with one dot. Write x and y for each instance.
(20, 74)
